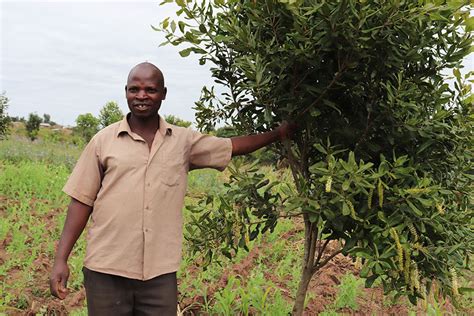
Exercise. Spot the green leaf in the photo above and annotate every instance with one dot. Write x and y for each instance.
(414, 208)
(363, 253)
(165, 23)
(345, 185)
(345, 209)
(425, 145)
(320, 148)
(457, 73)
(370, 280)
(464, 290)
(469, 22)
(268, 114)
(186, 52)
(364, 272)
(181, 26)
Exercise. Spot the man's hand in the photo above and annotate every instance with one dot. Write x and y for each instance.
(77, 215)
(242, 145)
(286, 130)
(58, 280)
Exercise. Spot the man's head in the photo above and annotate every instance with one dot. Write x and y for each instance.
(145, 90)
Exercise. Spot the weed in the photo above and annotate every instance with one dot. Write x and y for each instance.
(348, 291)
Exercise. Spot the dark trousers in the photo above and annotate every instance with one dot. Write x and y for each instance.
(115, 295)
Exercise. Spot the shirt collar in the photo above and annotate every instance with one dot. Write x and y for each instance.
(165, 128)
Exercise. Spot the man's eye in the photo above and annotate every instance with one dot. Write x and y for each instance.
(133, 89)
(151, 90)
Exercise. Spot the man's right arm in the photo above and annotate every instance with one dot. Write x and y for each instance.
(77, 216)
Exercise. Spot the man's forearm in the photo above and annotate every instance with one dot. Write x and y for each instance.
(242, 145)
(76, 219)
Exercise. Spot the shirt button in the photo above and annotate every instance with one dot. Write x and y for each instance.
(146, 230)
(148, 184)
(147, 208)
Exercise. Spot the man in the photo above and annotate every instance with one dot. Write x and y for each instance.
(131, 181)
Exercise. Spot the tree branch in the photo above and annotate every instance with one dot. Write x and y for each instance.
(322, 264)
(321, 251)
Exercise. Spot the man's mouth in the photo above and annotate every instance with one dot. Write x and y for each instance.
(142, 106)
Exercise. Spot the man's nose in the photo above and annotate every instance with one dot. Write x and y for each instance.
(142, 94)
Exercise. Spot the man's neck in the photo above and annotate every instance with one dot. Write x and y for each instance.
(144, 125)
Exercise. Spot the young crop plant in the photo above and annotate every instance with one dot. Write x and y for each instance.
(382, 161)
(348, 291)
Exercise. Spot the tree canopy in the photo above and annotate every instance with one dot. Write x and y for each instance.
(383, 159)
(110, 113)
(33, 125)
(172, 119)
(87, 125)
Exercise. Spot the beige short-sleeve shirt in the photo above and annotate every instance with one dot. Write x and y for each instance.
(137, 195)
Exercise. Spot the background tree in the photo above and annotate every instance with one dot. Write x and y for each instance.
(227, 131)
(17, 119)
(109, 114)
(172, 119)
(33, 125)
(87, 125)
(46, 118)
(4, 119)
(383, 159)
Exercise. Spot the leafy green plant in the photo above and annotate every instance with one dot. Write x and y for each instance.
(33, 125)
(110, 113)
(383, 158)
(87, 125)
(348, 291)
(225, 299)
(4, 119)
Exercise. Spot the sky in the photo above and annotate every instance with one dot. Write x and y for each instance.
(70, 57)
(66, 58)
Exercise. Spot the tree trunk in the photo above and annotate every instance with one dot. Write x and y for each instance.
(306, 276)
(308, 265)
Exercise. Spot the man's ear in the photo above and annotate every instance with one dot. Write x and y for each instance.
(165, 90)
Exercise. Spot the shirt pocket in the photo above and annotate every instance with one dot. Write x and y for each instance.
(171, 166)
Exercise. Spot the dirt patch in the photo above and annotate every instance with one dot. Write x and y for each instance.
(28, 288)
(322, 290)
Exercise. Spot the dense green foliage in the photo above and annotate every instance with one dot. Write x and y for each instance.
(33, 125)
(110, 113)
(383, 159)
(4, 119)
(87, 125)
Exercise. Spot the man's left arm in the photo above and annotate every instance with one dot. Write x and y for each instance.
(242, 145)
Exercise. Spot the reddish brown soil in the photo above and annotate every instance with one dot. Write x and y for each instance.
(37, 296)
(322, 289)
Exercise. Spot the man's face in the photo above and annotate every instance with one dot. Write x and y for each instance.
(144, 92)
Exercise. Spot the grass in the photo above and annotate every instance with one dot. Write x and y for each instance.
(19, 149)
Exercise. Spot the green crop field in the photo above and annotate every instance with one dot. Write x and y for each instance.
(262, 281)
